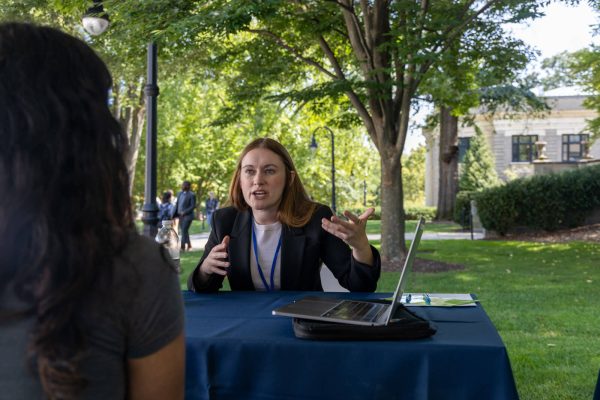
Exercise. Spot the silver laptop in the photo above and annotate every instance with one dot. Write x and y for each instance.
(356, 312)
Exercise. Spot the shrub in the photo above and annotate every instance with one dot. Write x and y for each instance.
(548, 202)
(376, 216)
(413, 213)
(462, 208)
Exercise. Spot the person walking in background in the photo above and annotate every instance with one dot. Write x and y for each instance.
(184, 210)
(165, 209)
(80, 317)
(273, 237)
(212, 203)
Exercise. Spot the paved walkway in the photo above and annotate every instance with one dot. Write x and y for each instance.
(200, 239)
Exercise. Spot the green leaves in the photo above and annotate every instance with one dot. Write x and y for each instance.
(478, 171)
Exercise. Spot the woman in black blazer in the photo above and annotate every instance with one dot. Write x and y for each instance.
(273, 237)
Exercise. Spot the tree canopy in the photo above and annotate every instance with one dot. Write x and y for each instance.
(373, 57)
(359, 65)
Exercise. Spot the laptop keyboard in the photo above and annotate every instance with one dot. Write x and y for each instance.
(355, 310)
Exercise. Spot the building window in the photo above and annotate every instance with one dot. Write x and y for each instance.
(572, 147)
(523, 148)
(463, 145)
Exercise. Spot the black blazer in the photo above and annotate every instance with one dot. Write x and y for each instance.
(302, 251)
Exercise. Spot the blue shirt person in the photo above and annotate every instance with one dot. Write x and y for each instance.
(212, 203)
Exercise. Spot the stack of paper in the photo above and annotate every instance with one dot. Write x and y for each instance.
(438, 300)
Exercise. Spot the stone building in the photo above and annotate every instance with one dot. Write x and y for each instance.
(525, 144)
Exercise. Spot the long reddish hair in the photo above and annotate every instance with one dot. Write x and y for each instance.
(295, 208)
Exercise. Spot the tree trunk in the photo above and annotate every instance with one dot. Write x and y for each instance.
(448, 164)
(393, 247)
(138, 114)
(132, 122)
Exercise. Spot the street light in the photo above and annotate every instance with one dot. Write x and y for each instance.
(150, 208)
(313, 147)
(95, 21)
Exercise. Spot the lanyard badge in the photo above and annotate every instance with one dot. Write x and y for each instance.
(268, 287)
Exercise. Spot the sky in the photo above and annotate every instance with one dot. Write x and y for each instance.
(563, 28)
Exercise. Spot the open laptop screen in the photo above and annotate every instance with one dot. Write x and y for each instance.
(408, 263)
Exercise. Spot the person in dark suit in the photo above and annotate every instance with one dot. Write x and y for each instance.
(184, 210)
(273, 237)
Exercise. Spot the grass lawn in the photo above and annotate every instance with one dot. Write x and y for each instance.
(431, 226)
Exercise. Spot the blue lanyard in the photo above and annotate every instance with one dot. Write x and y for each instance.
(262, 276)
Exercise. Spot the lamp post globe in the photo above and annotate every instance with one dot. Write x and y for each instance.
(95, 20)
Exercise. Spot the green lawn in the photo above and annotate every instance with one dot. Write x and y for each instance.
(544, 299)
(430, 226)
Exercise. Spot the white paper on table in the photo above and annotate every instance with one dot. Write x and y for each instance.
(440, 300)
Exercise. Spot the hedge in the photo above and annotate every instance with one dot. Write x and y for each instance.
(413, 213)
(548, 202)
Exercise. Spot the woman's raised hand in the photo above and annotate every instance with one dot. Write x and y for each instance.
(352, 232)
(217, 260)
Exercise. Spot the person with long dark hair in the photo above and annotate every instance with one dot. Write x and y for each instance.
(88, 307)
(273, 237)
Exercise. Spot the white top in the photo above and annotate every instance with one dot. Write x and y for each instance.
(267, 237)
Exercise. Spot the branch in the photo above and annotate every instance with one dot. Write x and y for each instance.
(452, 32)
(421, 19)
(352, 96)
(342, 5)
(364, 5)
(364, 115)
(280, 42)
(357, 39)
(331, 57)
(399, 69)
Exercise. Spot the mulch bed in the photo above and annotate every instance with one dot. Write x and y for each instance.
(588, 233)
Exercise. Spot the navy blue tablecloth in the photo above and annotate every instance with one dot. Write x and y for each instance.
(236, 349)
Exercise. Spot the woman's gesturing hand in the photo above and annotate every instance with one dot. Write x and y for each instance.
(353, 232)
(217, 260)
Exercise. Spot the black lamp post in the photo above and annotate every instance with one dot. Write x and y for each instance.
(95, 21)
(313, 147)
(150, 208)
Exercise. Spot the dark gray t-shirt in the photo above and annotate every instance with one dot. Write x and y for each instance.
(141, 313)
